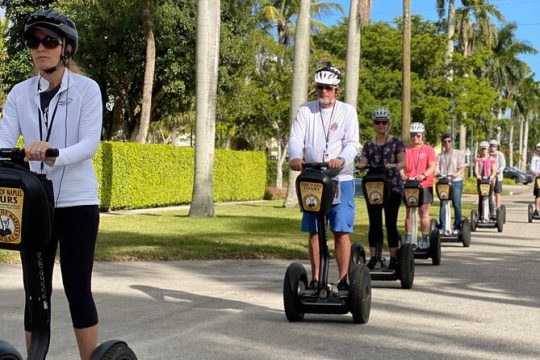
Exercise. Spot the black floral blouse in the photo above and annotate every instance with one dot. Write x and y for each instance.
(386, 154)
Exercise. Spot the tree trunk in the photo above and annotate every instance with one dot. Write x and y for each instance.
(299, 85)
(148, 73)
(208, 30)
(353, 54)
(406, 72)
(525, 141)
(520, 147)
(448, 56)
(511, 143)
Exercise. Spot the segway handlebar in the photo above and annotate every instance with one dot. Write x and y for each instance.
(15, 153)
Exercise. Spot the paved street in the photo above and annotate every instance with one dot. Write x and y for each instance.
(480, 303)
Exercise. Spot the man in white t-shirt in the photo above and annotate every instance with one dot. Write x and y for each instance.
(535, 169)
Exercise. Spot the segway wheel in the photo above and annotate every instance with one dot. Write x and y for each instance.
(474, 220)
(433, 225)
(358, 256)
(503, 211)
(466, 233)
(113, 350)
(360, 294)
(530, 213)
(8, 351)
(406, 266)
(435, 247)
(293, 285)
(500, 221)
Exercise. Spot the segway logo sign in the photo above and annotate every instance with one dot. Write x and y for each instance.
(311, 194)
(375, 191)
(11, 204)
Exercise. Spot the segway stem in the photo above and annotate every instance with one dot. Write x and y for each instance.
(323, 251)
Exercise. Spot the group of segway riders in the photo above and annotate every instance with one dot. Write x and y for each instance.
(325, 134)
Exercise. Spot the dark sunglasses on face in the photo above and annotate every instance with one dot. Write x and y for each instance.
(416, 135)
(447, 141)
(48, 42)
(325, 87)
(380, 122)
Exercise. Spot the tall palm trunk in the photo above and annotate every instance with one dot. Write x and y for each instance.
(520, 146)
(357, 12)
(208, 31)
(525, 141)
(299, 85)
(148, 73)
(406, 72)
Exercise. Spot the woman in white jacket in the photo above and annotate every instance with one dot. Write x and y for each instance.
(60, 108)
(535, 169)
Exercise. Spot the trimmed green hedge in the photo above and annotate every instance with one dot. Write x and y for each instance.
(132, 175)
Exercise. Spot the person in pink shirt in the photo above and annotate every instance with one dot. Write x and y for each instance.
(485, 166)
(420, 165)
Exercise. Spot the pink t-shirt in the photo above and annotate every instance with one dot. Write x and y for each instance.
(484, 166)
(418, 159)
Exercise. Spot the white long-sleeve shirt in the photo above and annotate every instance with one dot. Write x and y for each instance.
(76, 131)
(334, 131)
(535, 163)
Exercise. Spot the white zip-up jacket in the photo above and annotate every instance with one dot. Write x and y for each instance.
(76, 131)
(312, 131)
(535, 163)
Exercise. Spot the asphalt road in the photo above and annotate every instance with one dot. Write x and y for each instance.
(482, 302)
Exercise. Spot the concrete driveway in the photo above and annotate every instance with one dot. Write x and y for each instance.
(482, 302)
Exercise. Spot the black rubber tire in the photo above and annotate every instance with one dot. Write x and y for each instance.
(113, 350)
(474, 219)
(530, 213)
(435, 247)
(500, 222)
(8, 351)
(433, 225)
(466, 233)
(295, 281)
(406, 266)
(358, 256)
(503, 211)
(360, 294)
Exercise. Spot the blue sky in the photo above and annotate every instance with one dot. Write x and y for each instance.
(526, 13)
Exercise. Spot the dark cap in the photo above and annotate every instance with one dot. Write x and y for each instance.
(446, 135)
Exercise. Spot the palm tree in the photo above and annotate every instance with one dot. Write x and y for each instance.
(528, 106)
(406, 72)
(299, 86)
(358, 18)
(208, 32)
(148, 73)
(282, 13)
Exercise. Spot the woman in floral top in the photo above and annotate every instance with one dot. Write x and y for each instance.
(389, 152)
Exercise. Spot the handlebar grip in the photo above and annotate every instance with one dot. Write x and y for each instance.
(52, 152)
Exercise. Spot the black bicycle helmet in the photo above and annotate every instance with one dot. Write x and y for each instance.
(52, 22)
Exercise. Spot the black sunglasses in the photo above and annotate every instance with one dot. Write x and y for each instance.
(416, 135)
(48, 42)
(379, 122)
(447, 141)
(325, 87)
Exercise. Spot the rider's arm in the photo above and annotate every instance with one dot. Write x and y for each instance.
(9, 125)
(493, 171)
(401, 160)
(477, 168)
(296, 141)
(501, 163)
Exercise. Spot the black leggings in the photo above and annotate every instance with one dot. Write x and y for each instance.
(391, 210)
(75, 229)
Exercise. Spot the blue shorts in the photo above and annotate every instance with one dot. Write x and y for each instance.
(340, 216)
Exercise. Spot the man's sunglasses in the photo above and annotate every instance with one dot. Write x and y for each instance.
(48, 42)
(379, 122)
(416, 135)
(325, 87)
(447, 141)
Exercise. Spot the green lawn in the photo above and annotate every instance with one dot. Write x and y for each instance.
(257, 230)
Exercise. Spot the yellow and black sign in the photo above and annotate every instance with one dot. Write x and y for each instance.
(11, 208)
(375, 191)
(311, 194)
(411, 197)
(444, 191)
(484, 189)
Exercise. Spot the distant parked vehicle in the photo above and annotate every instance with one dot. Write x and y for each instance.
(518, 176)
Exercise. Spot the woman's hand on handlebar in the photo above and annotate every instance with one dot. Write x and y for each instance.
(36, 152)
